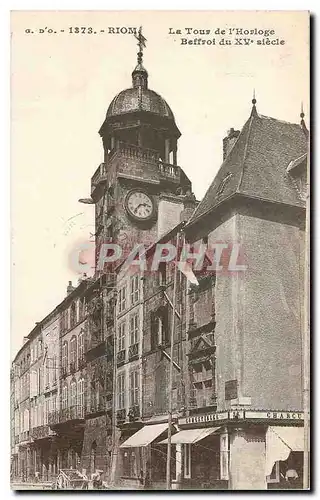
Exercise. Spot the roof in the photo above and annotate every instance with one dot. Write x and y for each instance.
(139, 99)
(257, 164)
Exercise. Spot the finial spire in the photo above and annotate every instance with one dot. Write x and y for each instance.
(141, 44)
(140, 75)
(254, 101)
(302, 112)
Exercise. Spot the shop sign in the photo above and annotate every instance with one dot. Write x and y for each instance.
(242, 415)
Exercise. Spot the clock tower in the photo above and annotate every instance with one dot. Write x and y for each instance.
(139, 191)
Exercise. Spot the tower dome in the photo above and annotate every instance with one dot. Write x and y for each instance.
(140, 117)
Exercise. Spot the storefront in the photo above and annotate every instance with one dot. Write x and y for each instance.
(142, 458)
(240, 450)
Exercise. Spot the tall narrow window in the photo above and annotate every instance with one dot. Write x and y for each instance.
(54, 369)
(134, 388)
(121, 336)
(47, 372)
(81, 345)
(73, 353)
(64, 397)
(134, 289)
(73, 393)
(81, 396)
(134, 329)
(122, 299)
(73, 314)
(121, 390)
(64, 356)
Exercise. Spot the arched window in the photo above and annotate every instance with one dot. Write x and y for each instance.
(65, 397)
(73, 393)
(73, 353)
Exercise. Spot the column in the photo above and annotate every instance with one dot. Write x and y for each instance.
(177, 482)
(28, 463)
(247, 459)
(175, 154)
(166, 150)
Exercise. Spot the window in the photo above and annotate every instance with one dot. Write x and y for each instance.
(65, 397)
(73, 393)
(203, 383)
(134, 289)
(64, 356)
(73, 352)
(47, 373)
(53, 402)
(39, 381)
(81, 394)
(159, 327)
(134, 388)
(122, 299)
(121, 336)
(26, 420)
(130, 468)
(187, 460)
(134, 329)
(223, 183)
(54, 369)
(64, 320)
(46, 410)
(73, 314)
(121, 389)
(81, 345)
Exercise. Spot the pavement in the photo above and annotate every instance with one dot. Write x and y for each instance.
(30, 486)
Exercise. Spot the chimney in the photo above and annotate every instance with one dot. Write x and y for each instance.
(229, 141)
(70, 288)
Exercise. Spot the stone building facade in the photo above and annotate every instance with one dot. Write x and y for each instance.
(90, 387)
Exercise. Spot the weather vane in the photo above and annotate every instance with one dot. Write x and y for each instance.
(141, 44)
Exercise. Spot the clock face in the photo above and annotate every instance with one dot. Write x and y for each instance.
(139, 205)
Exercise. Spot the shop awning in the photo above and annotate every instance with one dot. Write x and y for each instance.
(144, 436)
(190, 436)
(280, 441)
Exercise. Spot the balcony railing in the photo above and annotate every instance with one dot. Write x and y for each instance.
(134, 413)
(24, 436)
(121, 357)
(133, 151)
(133, 351)
(171, 172)
(41, 432)
(66, 414)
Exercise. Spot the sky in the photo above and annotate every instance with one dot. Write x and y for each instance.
(61, 86)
